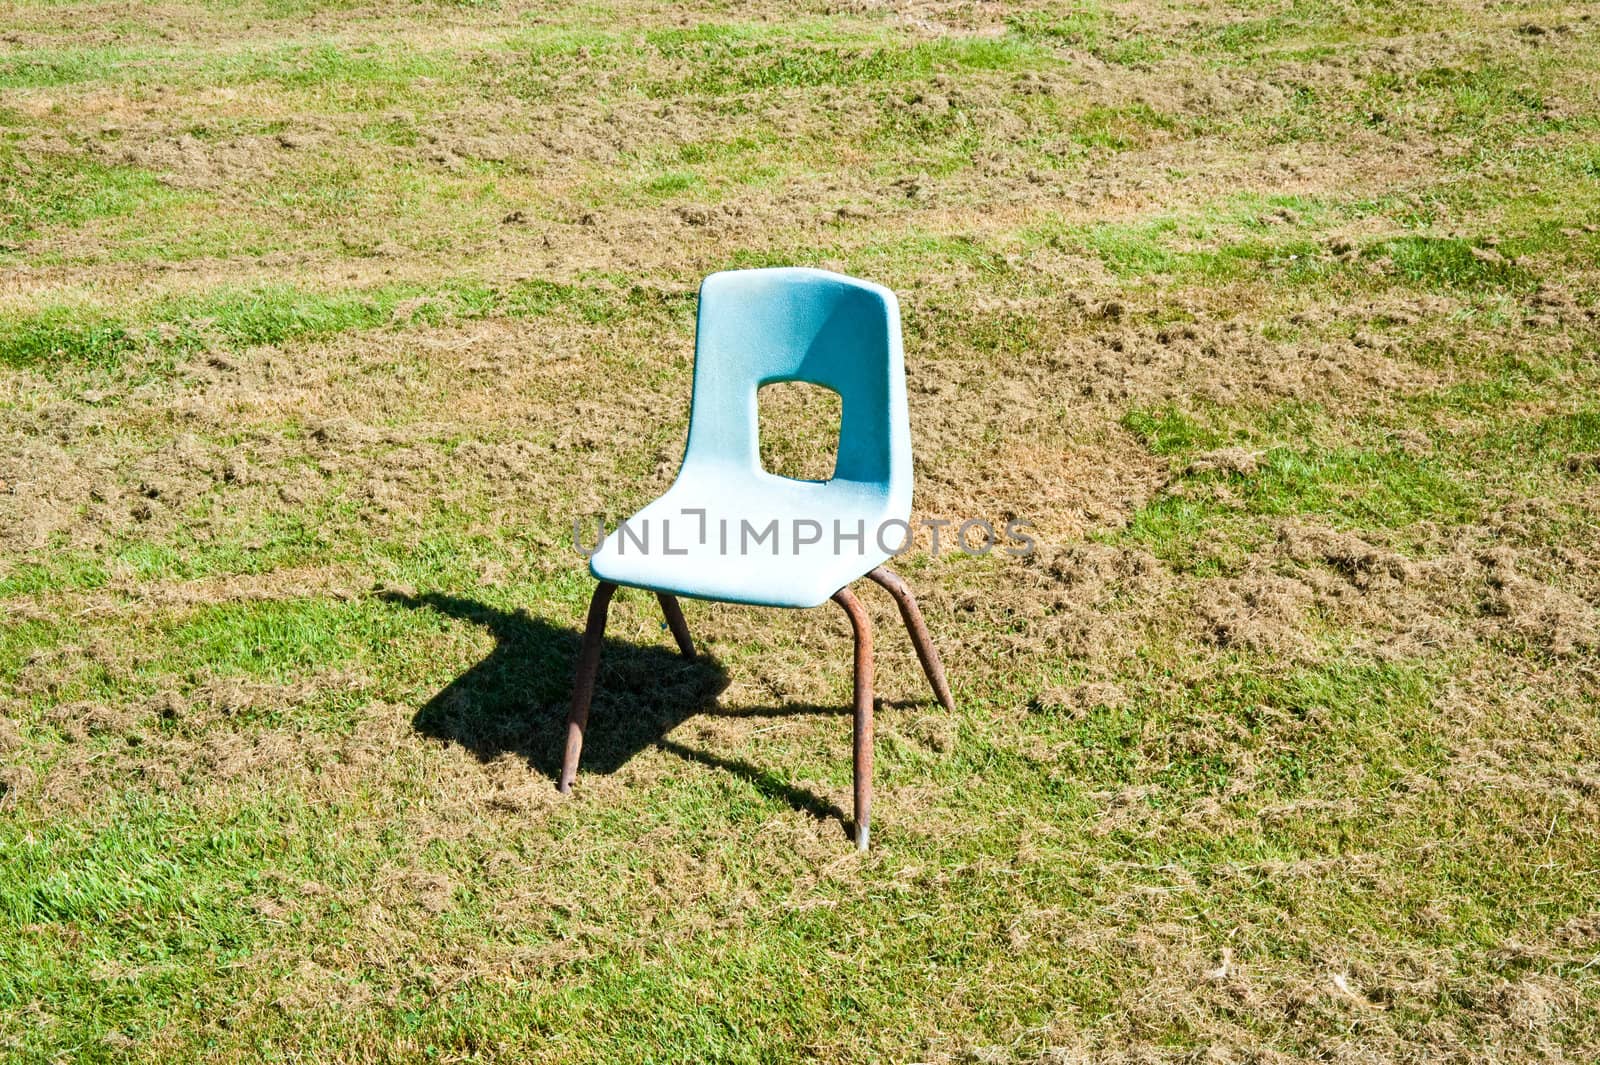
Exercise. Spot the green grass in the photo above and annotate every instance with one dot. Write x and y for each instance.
(68, 66)
(322, 322)
(282, 640)
(1552, 437)
(1120, 128)
(1456, 98)
(66, 336)
(62, 335)
(1154, 746)
(722, 68)
(42, 191)
(1450, 263)
(1087, 25)
(1208, 520)
(668, 184)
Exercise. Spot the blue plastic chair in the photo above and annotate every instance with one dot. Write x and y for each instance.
(728, 530)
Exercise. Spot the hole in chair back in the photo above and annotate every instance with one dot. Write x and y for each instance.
(798, 429)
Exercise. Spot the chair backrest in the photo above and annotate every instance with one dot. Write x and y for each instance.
(759, 327)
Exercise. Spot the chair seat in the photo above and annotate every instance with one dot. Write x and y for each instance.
(743, 558)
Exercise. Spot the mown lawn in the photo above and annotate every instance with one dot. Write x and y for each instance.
(320, 323)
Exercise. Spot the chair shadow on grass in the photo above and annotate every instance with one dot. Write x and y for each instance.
(515, 701)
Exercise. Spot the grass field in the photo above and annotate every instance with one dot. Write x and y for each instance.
(1278, 319)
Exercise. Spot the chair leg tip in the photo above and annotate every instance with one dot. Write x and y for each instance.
(863, 835)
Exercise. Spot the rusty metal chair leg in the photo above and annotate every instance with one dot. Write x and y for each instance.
(675, 622)
(862, 624)
(918, 629)
(583, 686)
